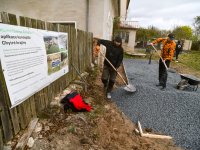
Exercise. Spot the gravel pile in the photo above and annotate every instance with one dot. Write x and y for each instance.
(171, 112)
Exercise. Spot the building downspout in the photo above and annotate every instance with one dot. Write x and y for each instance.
(87, 15)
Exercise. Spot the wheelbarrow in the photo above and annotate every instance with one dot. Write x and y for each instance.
(188, 80)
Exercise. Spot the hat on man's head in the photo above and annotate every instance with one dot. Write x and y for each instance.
(171, 36)
(118, 39)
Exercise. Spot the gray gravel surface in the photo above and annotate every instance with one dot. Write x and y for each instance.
(171, 112)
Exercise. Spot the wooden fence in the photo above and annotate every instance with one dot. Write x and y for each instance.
(80, 55)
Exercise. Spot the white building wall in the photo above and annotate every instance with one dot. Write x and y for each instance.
(48, 10)
(108, 19)
(96, 11)
(131, 42)
(123, 10)
(101, 14)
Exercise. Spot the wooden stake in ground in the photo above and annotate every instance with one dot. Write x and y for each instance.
(152, 135)
(24, 139)
(140, 128)
(156, 136)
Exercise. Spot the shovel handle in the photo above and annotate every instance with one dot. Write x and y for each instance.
(113, 67)
(160, 56)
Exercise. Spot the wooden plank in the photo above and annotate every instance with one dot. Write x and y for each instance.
(28, 22)
(46, 97)
(15, 120)
(140, 128)
(40, 24)
(42, 100)
(91, 47)
(87, 50)
(77, 63)
(22, 115)
(37, 102)
(33, 109)
(4, 18)
(27, 105)
(84, 52)
(81, 50)
(156, 136)
(5, 118)
(75, 52)
(24, 139)
(53, 89)
(0, 18)
(52, 27)
(34, 23)
(41, 93)
(13, 111)
(6, 123)
(22, 21)
(1, 139)
(12, 19)
(81, 56)
(70, 43)
(70, 47)
(5, 101)
(50, 97)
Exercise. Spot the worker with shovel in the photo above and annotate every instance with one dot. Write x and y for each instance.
(114, 57)
(167, 53)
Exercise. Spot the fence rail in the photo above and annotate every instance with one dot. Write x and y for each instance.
(129, 24)
(80, 55)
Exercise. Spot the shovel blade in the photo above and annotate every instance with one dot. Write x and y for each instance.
(130, 88)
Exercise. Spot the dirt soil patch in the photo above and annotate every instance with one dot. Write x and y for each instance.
(104, 128)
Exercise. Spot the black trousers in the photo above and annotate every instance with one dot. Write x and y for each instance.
(108, 77)
(163, 72)
(177, 53)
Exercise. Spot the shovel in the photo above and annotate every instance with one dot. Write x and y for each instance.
(128, 87)
(168, 69)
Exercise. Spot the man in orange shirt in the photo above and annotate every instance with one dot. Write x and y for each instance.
(167, 54)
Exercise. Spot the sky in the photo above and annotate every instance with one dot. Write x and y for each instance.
(163, 14)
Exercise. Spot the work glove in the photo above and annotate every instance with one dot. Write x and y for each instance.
(96, 50)
(149, 44)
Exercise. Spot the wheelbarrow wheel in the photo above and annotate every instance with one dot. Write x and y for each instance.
(182, 84)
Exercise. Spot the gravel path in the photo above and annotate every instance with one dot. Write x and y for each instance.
(170, 112)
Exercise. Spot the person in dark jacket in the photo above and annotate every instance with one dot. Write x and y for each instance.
(114, 53)
(178, 49)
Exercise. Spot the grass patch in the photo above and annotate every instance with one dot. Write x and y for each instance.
(140, 50)
(191, 59)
